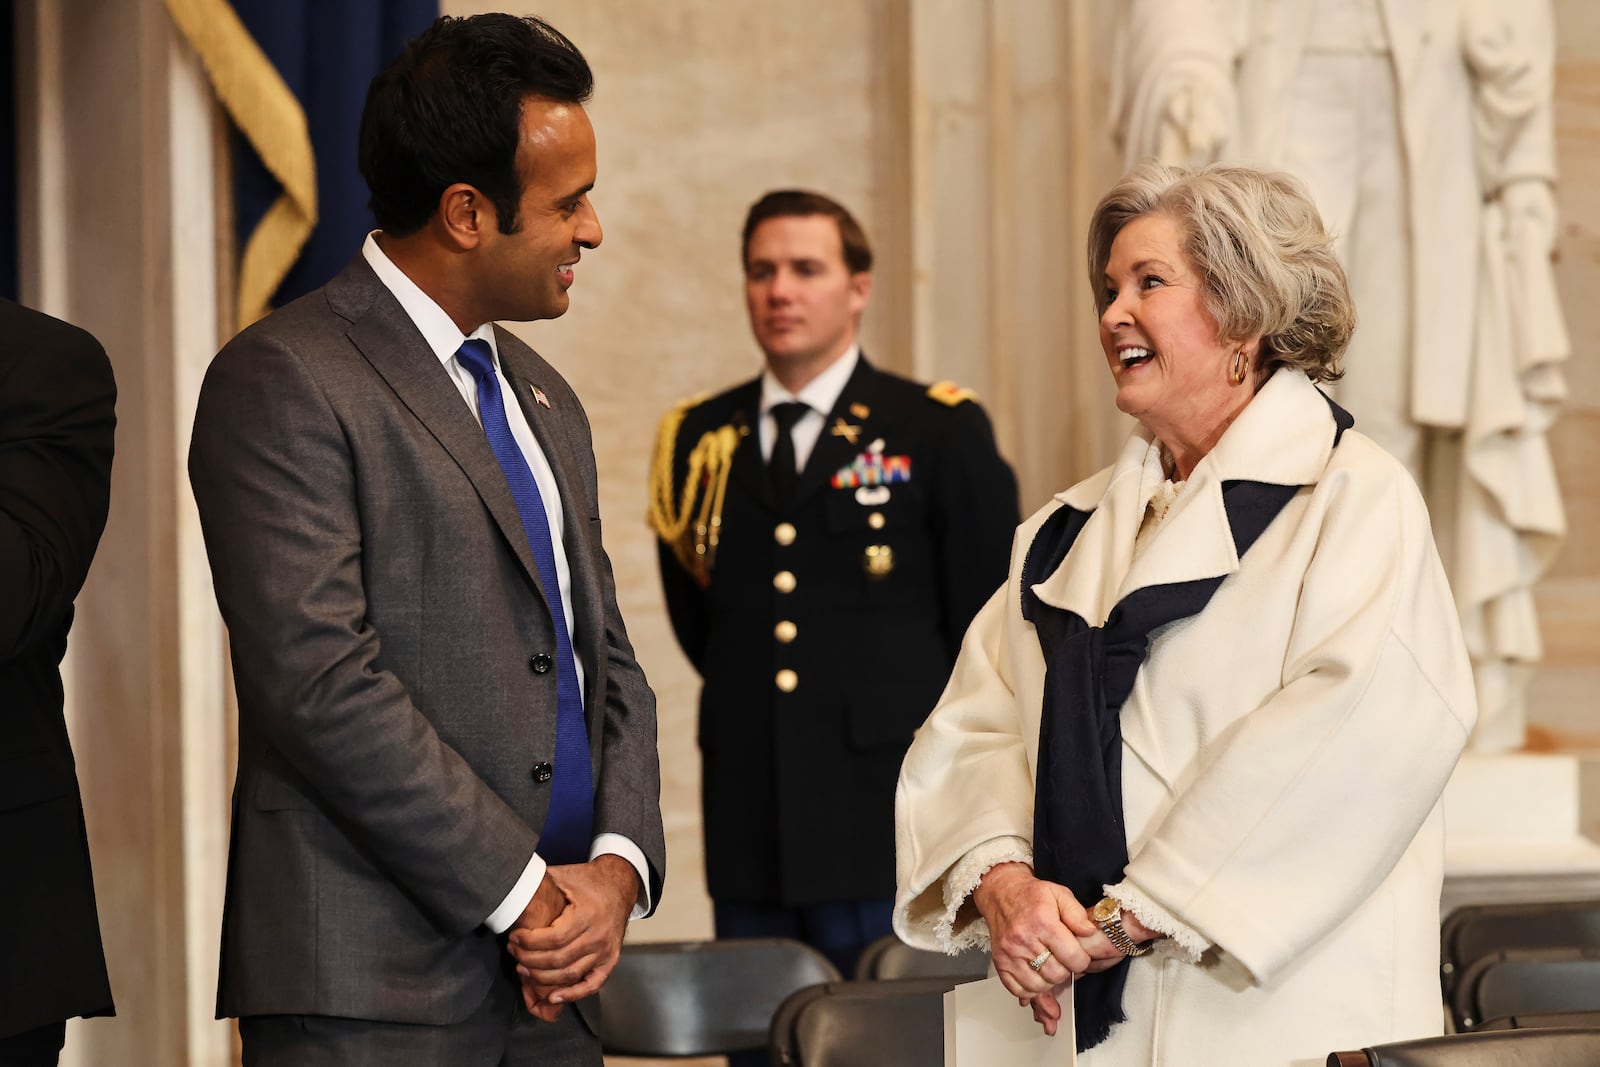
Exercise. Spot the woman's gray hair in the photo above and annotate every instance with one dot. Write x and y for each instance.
(1266, 263)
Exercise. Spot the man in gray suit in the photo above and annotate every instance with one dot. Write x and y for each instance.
(448, 781)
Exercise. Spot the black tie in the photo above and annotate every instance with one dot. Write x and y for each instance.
(781, 467)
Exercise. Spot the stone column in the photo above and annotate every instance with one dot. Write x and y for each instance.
(998, 155)
(119, 237)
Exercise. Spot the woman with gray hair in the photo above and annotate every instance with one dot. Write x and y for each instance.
(1208, 720)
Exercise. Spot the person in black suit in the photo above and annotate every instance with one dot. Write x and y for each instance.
(57, 417)
(827, 531)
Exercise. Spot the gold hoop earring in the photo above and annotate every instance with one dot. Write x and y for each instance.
(1241, 367)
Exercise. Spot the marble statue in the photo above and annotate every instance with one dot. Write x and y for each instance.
(1424, 130)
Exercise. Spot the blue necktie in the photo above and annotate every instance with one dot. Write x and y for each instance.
(568, 826)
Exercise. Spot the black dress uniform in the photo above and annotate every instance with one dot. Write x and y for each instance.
(823, 630)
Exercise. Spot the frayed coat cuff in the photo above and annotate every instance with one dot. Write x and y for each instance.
(955, 932)
(1182, 941)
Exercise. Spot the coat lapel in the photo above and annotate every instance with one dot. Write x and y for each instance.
(1400, 20)
(1284, 437)
(1088, 578)
(831, 450)
(522, 369)
(749, 471)
(396, 350)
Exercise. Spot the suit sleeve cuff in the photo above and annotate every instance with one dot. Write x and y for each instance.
(501, 918)
(618, 845)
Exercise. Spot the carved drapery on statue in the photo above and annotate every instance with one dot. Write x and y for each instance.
(1424, 130)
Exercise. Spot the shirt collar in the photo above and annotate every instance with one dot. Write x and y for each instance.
(821, 393)
(438, 329)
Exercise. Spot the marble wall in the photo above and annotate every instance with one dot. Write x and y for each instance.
(1561, 699)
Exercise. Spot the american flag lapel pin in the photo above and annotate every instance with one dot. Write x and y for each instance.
(539, 397)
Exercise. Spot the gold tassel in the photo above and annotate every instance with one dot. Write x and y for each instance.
(689, 521)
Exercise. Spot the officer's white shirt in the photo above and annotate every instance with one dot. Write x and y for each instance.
(820, 394)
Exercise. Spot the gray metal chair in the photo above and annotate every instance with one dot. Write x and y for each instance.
(1468, 934)
(895, 1022)
(1524, 982)
(1507, 1048)
(890, 957)
(702, 998)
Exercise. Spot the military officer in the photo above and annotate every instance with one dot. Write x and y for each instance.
(827, 531)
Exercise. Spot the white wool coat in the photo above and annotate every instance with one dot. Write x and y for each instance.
(1284, 750)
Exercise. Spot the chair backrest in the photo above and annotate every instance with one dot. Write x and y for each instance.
(1527, 981)
(1508, 1048)
(1589, 1020)
(890, 957)
(702, 998)
(892, 1022)
(1468, 934)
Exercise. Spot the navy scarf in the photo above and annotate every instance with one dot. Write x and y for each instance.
(1079, 840)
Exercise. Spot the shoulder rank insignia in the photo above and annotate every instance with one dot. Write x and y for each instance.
(950, 393)
(688, 518)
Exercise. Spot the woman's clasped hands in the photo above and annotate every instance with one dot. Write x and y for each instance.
(1028, 917)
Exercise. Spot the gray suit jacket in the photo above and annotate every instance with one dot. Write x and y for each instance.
(383, 608)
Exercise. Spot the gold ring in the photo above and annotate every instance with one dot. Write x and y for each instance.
(1038, 962)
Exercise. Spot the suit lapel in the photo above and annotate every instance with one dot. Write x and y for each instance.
(1400, 19)
(391, 343)
(522, 371)
(749, 470)
(832, 451)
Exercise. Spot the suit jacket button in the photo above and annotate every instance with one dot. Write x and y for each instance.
(543, 772)
(784, 533)
(784, 581)
(787, 680)
(540, 665)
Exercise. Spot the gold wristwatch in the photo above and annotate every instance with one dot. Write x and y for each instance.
(1108, 916)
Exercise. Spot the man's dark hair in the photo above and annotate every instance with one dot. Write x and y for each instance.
(798, 203)
(449, 110)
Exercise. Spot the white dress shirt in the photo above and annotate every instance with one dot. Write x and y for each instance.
(820, 394)
(444, 338)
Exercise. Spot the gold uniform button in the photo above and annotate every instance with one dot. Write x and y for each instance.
(785, 631)
(784, 581)
(787, 680)
(783, 533)
(876, 520)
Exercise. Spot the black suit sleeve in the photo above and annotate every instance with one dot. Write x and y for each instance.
(685, 606)
(975, 517)
(57, 417)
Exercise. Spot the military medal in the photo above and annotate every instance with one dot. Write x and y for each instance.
(877, 561)
(872, 467)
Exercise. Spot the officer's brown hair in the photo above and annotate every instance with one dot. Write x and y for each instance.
(798, 203)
